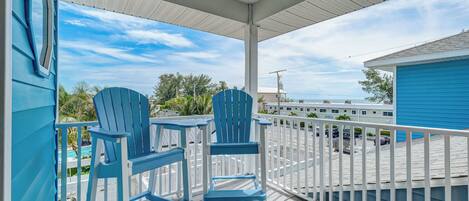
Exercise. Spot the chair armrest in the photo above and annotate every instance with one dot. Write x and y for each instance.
(262, 121)
(107, 135)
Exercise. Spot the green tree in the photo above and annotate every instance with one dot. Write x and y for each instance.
(312, 115)
(293, 114)
(168, 87)
(188, 105)
(380, 86)
(343, 117)
(194, 85)
(222, 85)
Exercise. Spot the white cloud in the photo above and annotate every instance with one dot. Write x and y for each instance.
(158, 37)
(76, 22)
(339, 46)
(197, 55)
(116, 53)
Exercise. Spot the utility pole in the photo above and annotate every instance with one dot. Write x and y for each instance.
(278, 88)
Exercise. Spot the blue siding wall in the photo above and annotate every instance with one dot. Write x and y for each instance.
(34, 100)
(433, 95)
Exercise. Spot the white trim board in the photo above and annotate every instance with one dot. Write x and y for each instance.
(388, 64)
(5, 99)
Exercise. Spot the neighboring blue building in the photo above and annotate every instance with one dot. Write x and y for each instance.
(431, 85)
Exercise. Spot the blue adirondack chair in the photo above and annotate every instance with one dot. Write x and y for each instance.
(124, 134)
(233, 118)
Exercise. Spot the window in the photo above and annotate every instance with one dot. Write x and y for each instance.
(345, 111)
(354, 112)
(42, 34)
(374, 112)
(301, 109)
(335, 111)
(387, 114)
(307, 109)
(322, 110)
(281, 108)
(270, 107)
(288, 108)
(363, 112)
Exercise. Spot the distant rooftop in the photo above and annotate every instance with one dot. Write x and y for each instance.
(446, 48)
(367, 106)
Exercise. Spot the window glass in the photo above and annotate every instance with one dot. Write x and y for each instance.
(42, 33)
(322, 110)
(38, 17)
(354, 112)
(335, 111)
(363, 112)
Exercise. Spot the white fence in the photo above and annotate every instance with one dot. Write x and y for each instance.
(303, 160)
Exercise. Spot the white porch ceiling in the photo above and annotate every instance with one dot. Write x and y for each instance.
(228, 17)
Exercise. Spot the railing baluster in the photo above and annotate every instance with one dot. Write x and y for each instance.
(298, 157)
(447, 167)
(378, 164)
(290, 159)
(278, 155)
(341, 150)
(106, 196)
(79, 140)
(63, 172)
(315, 190)
(352, 153)
(392, 170)
(306, 143)
(284, 159)
(321, 162)
(409, 163)
(426, 153)
(331, 144)
(364, 182)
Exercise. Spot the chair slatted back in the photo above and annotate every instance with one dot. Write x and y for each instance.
(124, 110)
(232, 114)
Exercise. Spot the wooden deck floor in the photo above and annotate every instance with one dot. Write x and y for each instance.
(272, 194)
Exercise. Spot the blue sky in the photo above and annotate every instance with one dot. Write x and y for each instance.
(324, 61)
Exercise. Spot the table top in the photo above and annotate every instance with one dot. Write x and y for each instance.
(185, 123)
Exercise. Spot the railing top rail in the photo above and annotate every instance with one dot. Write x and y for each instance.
(94, 123)
(441, 131)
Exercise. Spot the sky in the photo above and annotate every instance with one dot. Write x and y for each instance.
(323, 61)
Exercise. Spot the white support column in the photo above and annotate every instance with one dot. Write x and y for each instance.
(251, 56)
(5, 99)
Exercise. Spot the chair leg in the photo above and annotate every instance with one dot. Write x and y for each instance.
(123, 176)
(93, 177)
(185, 167)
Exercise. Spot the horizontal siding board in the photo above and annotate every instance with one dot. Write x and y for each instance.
(18, 9)
(24, 71)
(21, 41)
(433, 94)
(26, 169)
(22, 131)
(27, 97)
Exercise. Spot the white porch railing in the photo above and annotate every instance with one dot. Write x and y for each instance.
(303, 160)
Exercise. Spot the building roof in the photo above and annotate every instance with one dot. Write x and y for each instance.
(337, 105)
(228, 17)
(269, 90)
(449, 47)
